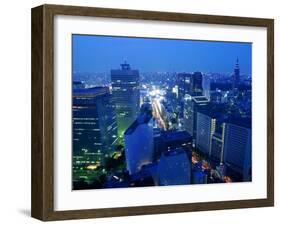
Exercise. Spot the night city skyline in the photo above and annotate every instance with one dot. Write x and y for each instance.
(159, 112)
(100, 53)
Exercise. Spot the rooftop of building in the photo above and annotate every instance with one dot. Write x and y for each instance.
(197, 73)
(243, 122)
(216, 111)
(125, 67)
(172, 135)
(94, 91)
(77, 82)
(146, 107)
(200, 99)
(174, 152)
(143, 118)
(184, 74)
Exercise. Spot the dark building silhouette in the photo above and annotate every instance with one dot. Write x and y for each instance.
(220, 86)
(184, 84)
(126, 96)
(78, 85)
(171, 139)
(199, 177)
(190, 84)
(196, 84)
(174, 168)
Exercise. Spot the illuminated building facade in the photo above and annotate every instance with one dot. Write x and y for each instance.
(210, 135)
(94, 126)
(191, 84)
(191, 107)
(205, 129)
(164, 125)
(217, 146)
(237, 149)
(184, 84)
(139, 147)
(206, 85)
(126, 96)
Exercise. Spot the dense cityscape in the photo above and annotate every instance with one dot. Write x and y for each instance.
(136, 129)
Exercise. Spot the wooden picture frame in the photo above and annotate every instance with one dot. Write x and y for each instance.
(43, 108)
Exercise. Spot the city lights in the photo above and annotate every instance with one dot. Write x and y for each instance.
(135, 128)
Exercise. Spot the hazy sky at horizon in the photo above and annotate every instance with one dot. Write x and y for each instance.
(103, 53)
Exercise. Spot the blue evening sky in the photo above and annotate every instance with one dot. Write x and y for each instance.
(103, 53)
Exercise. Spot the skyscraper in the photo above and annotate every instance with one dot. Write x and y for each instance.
(196, 83)
(237, 149)
(94, 125)
(217, 146)
(174, 168)
(191, 107)
(206, 85)
(210, 131)
(184, 84)
(236, 75)
(126, 96)
(190, 84)
(205, 129)
(139, 148)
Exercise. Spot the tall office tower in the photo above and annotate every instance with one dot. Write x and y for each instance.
(238, 148)
(94, 125)
(217, 143)
(174, 168)
(196, 84)
(206, 126)
(184, 84)
(206, 85)
(191, 107)
(236, 75)
(139, 145)
(126, 96)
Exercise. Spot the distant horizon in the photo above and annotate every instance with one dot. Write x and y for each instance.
(144, 72)
(100, 54)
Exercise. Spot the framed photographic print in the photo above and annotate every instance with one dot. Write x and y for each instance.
(141, 112)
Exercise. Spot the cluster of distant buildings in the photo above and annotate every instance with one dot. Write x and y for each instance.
(207, 126)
